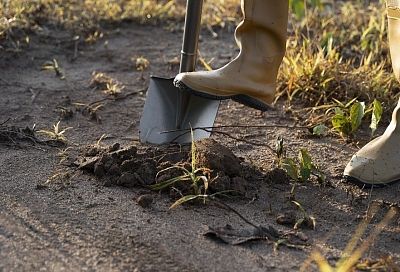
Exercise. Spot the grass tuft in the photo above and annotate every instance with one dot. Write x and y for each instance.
(337, 51)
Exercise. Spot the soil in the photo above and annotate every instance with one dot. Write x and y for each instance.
(143, 166)
(86, 205)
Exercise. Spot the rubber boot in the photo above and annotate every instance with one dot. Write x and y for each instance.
(250, 78)
(393, 11)
(378, 162)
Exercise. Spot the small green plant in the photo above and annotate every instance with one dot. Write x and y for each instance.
(198, 177)
(348, 117)
(377, 112)
(300, 169)
(299, 7)
(56, 134)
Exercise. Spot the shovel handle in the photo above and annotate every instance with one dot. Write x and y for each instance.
(188, 53)
(191, 35)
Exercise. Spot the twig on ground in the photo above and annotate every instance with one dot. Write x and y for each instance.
(209, 130)
(34, 95)
(115, 98)
(6, 82)
(239, 126)
(240, 139)
(232, 210)
(6, 121)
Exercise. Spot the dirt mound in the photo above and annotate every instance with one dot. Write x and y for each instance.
(140, 165)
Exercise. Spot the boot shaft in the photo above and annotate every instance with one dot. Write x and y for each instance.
(251, 77)
(264, 26)
(393, 14)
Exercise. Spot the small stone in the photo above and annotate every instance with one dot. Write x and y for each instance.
(288, 219)
(145, 200)
(127, 180)
(147, 172)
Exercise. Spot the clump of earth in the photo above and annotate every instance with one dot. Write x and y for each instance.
(139, 165)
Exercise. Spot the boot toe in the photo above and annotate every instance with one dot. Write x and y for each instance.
(379, 170)
(192, 83)
(361, 169)
(195, 80)
(180, 78)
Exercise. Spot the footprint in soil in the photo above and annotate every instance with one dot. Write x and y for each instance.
(138, 165)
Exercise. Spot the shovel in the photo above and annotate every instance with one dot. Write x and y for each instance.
(170, 113)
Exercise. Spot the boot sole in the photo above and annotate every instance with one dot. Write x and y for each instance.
(362, 184)
(240, 98)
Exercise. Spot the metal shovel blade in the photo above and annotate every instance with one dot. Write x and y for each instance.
(158, 121)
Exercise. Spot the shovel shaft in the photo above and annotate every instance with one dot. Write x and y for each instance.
(167, 108)
(191, 35)
(189, 53)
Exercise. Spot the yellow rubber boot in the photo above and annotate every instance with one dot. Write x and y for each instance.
(378, 162)
(250, 78)
(393, 10)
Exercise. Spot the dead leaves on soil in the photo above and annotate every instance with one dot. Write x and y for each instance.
(106, 84)
(15, 136)
(141, 63)
(231, 236)
(385, 264)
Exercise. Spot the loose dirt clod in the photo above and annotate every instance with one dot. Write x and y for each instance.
(128, 180)
(217, 157)
(145, 200)
(138, 166)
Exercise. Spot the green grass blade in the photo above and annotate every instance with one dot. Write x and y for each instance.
(289, 165)
(193, 151)
(173, 167)
(185, 199)
(376, 116)
(168, 183)
(357, 111)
